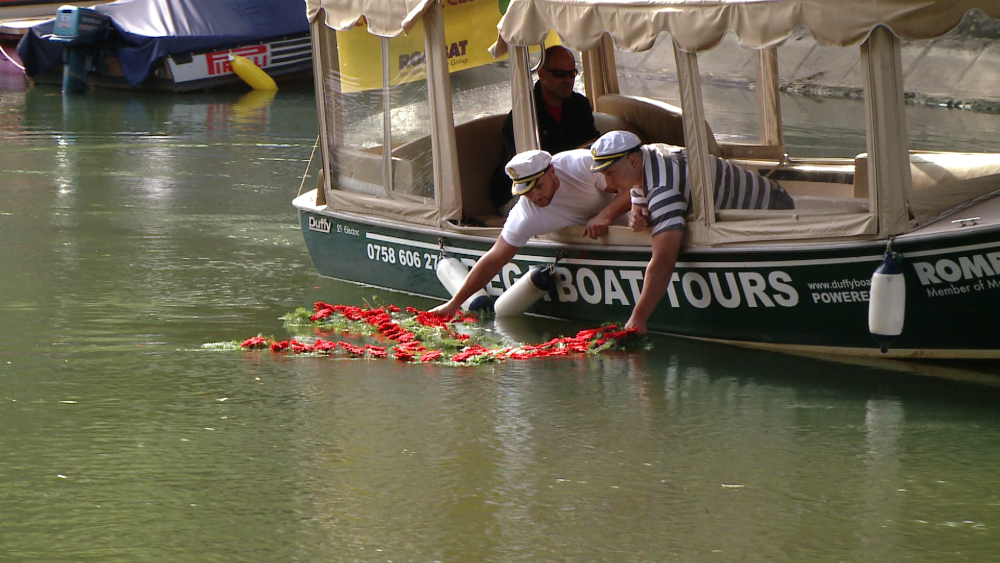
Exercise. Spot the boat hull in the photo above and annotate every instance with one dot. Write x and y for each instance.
(286, 60)
(808, 298)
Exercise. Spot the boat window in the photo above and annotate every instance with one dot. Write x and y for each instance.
(821, 103)
(481, 91)
(730, 105)
(729, 93)
(410, 139)
(377, 114)
(943, 115)
(821, 181)
(942, 181)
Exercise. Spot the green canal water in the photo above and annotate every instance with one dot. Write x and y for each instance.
(136, 227)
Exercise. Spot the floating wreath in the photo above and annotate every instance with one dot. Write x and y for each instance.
(420, 336)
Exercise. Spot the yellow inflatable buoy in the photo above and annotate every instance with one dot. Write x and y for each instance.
(251, 73)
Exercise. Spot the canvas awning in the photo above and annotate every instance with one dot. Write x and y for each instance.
(385, 18)
(698, 25)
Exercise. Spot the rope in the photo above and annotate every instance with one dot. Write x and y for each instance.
(308, 166)
(11, 59)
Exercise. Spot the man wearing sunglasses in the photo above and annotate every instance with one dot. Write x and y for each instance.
(565, 118)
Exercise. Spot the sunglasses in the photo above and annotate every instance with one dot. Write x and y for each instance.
(562, 73)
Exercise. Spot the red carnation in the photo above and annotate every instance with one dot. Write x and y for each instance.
(254, 342)
(430, 356)
(319, 306)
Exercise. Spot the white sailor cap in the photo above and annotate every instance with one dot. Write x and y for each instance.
(526, 168)
(611, 146)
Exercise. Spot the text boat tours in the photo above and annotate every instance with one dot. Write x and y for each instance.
(408, 150)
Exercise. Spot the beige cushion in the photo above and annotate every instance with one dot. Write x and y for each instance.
(479, 142)
(655, 121)
(606, 122)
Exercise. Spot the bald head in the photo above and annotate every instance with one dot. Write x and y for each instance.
(557, 75)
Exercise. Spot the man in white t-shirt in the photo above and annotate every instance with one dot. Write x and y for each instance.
(558, 191)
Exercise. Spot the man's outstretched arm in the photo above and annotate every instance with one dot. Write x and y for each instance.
(486, 267)
(666, 248)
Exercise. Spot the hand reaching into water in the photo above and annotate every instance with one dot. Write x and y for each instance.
(639, 325)
(445, 309)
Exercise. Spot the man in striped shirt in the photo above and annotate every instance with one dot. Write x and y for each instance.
(657, 177)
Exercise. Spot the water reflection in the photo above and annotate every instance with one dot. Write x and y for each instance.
(136, 228)
(653, 453)
(114, 111)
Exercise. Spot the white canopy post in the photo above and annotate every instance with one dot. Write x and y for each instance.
(522, 100)
(386, 120)
(889, 177)
(768, 105)
(329, 104)
(447, 191)
(699, 169)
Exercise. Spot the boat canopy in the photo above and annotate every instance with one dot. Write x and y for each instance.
(387, 110)
(394, 146)
(151, 29)
(898, 202)
(384, 18)
(699, 25)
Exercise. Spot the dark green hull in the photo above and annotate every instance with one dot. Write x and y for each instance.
(808, 297)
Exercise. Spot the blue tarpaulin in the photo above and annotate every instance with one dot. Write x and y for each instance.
(146, 30)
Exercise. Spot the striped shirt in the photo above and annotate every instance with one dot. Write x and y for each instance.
(664, 181)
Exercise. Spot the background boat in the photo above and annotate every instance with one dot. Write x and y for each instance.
(16, 18)
(178, 45)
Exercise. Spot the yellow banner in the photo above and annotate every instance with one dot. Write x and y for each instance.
(470, 28)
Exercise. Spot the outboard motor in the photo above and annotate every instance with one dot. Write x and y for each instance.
(82, 31)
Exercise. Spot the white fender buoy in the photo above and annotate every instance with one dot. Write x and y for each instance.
(525, 292)
(452, 272)
(887, 303)
(251, 73)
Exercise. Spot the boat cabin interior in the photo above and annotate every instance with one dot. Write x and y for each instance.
(462, 134)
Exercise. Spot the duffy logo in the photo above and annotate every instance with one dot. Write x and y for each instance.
(321, 224)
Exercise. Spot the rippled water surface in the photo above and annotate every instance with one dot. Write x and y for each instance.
(136, 227)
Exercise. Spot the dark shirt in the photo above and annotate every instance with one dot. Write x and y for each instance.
(575, 127)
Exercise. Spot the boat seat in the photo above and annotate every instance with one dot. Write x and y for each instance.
(479, 142)
(606, 122)
(361, 171)
(929, 169)
(655, 121)
(861, 175)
